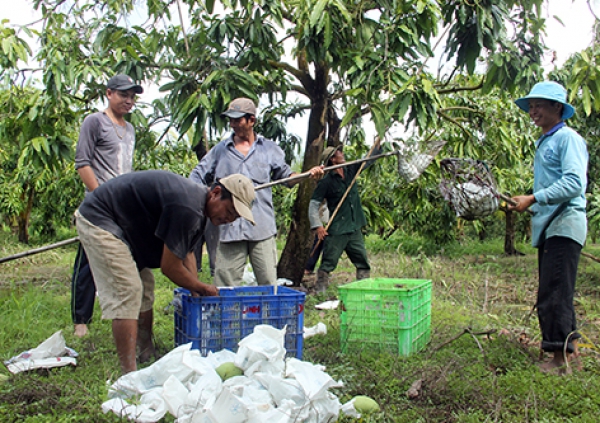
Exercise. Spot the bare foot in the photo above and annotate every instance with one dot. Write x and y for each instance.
(551, 368)
(147, 353)
(557, 365)
(81, 330)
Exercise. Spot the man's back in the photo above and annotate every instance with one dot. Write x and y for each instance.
(147, 210)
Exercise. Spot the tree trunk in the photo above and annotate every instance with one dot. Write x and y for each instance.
(299, 240)
(23, 219)
(509, 236)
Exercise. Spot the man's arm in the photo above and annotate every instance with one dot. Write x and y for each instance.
(315, 219)
(204, 172)
(179, 272)
(87, 175)
(189, 262)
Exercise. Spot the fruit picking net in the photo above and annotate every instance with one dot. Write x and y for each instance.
(412, 164)
(469, 185)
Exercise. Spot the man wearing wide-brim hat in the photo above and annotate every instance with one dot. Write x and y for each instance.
(559, 223)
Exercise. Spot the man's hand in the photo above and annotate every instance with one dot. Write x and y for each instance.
(207, 291)
(321, 233)
(316, 172)
(184, 273)
(523, 202)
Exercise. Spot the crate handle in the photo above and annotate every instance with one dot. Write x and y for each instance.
(300, 308)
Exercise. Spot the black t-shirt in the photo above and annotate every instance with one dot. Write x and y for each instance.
(147, 210)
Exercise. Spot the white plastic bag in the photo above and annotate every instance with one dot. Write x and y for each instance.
(282, 390)
(151, 407)
(53, 352)
(318, 329)
(155, 375)
(207, 386)
(284, 282)
(314, 381)
(228, 408)
(265, 343)
(175, 395)
(248, 279)
(470, 199)
(324, 410)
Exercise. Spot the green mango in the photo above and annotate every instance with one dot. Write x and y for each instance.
(227, 370)
(365, 405)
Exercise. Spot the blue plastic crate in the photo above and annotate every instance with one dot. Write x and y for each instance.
(215, 323)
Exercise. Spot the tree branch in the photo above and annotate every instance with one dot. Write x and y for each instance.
(454, 121)
(466, 330)
(466, 109)
(459, 89)
(300, 89)
(303, 77)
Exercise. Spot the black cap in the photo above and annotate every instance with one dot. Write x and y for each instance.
(124, 83)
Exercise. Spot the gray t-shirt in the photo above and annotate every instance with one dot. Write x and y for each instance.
(148, 210)
(265, 162)
(104, 146)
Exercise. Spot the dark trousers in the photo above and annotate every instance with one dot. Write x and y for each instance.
(558, 258)
(83, 289)
(316, 253)
(354, 246)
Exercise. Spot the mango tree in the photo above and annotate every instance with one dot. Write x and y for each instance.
(581, 75)
(336, 60)
(34, 143)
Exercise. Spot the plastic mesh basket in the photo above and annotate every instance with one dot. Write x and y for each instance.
(412, 165)
(470, 186)
(214, 323)
(392, 315)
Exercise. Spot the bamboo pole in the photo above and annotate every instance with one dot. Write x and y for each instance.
(39, 250)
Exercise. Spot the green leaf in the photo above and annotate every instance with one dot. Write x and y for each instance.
(36, 143)
(33, 112)
(210, 6)
(328, 36)
(587, 100)
(317, 13)
(351, 113)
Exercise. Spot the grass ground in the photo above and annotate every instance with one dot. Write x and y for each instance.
(479, 366)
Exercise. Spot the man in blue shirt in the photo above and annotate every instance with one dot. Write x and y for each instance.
(559, 223)
(262, 161)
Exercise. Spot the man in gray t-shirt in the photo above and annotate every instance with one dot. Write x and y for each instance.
(104, 150)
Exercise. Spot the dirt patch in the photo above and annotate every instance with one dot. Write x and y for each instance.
(33, 398)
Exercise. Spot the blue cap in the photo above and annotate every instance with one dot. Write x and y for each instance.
(548, 90)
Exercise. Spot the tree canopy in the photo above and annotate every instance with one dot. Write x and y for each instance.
(340, 62)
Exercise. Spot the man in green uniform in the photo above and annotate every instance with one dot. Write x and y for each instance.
(344, 233)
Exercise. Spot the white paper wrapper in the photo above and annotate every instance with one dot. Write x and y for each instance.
(186, 385)
(53, 352)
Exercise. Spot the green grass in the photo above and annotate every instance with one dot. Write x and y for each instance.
(465, 377)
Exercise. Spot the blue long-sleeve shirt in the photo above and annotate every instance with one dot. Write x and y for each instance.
(560, 176)
(265, 162)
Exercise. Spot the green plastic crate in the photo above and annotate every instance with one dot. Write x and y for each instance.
(392, 315)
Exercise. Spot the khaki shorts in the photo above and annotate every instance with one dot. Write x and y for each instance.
(123, 291)
(232, 257)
